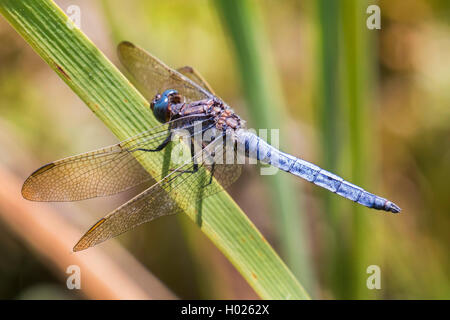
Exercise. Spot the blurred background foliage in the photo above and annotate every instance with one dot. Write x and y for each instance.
(370, 105)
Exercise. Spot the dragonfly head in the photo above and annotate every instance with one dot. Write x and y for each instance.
(160, 105)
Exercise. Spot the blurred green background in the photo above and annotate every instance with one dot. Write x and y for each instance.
(372, 106)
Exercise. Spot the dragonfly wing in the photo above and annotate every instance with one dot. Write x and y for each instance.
(99, 173)
(92, 174)
(153, 76)
(150, 204)
(157, 201)
(192, 74)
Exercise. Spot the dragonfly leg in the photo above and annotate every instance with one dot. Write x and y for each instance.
(158, 148)
(195, 165)
(212, 174)
(194, 169)
(213, 166)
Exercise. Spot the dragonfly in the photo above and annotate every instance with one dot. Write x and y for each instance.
(181, 100)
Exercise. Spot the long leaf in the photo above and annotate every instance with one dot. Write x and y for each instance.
(125, 112)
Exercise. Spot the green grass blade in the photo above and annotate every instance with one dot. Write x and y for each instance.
(340, 270)
(242, 21)
(125, 112)
(346, 129)
(357, 76)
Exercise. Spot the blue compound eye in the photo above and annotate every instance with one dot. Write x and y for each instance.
(160, 105)
(170, 92)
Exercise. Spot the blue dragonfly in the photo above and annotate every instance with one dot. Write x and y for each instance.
(182, 101)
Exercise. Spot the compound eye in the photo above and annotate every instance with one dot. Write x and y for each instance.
(160, 107)
(155, 99)
(170, 92)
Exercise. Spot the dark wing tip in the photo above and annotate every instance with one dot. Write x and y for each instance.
(86, 241)
(28, 191)
(186, 69)
(28, 188)
(81, 245)
(42, 169)
(123, 46)
(126, 44)
(76, 248)
(25, 190)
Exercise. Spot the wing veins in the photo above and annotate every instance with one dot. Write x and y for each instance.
(139, 203)
(60, 176)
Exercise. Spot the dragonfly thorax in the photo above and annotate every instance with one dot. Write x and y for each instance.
(212, 109)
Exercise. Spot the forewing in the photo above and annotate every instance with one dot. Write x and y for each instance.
(193, 74)
(93, 174)
(153, 76)
(157, 201)
(99, 173)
